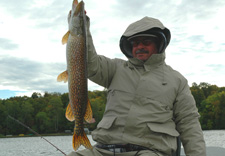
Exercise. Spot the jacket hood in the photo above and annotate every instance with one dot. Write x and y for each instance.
(146, 25)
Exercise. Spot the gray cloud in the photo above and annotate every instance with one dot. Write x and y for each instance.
(8, 44)
(217, 67)
(195, 43)
(29, 75)
(46, 16)
(51, 15)
(17, 8)
(195, 38)
(55, 12)
(199, 9)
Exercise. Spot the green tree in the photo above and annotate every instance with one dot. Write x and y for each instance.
(27, 116)
(212, 116)
(221, 121)
(13, 109)
(42, 122)
(39, 104)
(208, 89)
(198, 95)
(36, 95)
(3, 117)
(65, 99)
(55, 112)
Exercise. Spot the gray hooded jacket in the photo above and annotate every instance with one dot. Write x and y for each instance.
(148, 103)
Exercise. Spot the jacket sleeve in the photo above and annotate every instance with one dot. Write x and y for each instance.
(100, 68)
(187, 121)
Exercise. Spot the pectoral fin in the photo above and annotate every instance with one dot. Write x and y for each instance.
(69, 113)
(65, 37)
(88, 114)
(63, 77)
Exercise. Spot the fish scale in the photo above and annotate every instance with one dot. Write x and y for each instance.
(79, 108)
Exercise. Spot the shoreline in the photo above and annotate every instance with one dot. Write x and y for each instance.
(34, 135)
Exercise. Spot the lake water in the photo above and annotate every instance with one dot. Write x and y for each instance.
(36, 146)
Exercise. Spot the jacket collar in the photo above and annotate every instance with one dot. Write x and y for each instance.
(154, 61)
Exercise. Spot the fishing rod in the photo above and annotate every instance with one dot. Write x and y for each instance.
(36, 133)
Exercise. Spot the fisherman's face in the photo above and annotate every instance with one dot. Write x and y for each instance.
(143, 47)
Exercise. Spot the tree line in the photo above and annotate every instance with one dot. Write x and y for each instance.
(46, 113)
(210, 100)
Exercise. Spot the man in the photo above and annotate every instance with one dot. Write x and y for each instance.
(148, 104)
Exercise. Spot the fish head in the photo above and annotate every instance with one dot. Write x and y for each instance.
(75, 18)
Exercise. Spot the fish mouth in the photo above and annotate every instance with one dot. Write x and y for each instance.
(142, 51)
(77, 7)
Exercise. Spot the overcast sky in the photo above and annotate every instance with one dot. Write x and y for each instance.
(32, 56)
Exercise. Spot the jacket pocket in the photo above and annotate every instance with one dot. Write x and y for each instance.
(106, 122)
(163, 136)
(104, 132)
(165, 128)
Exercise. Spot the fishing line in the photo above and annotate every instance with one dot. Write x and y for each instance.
(36, 133)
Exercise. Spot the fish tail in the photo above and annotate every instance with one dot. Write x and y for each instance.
(79, 140)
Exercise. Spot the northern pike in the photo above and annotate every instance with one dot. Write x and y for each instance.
(79, 107)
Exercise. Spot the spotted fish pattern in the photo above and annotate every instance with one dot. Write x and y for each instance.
(79, 108)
